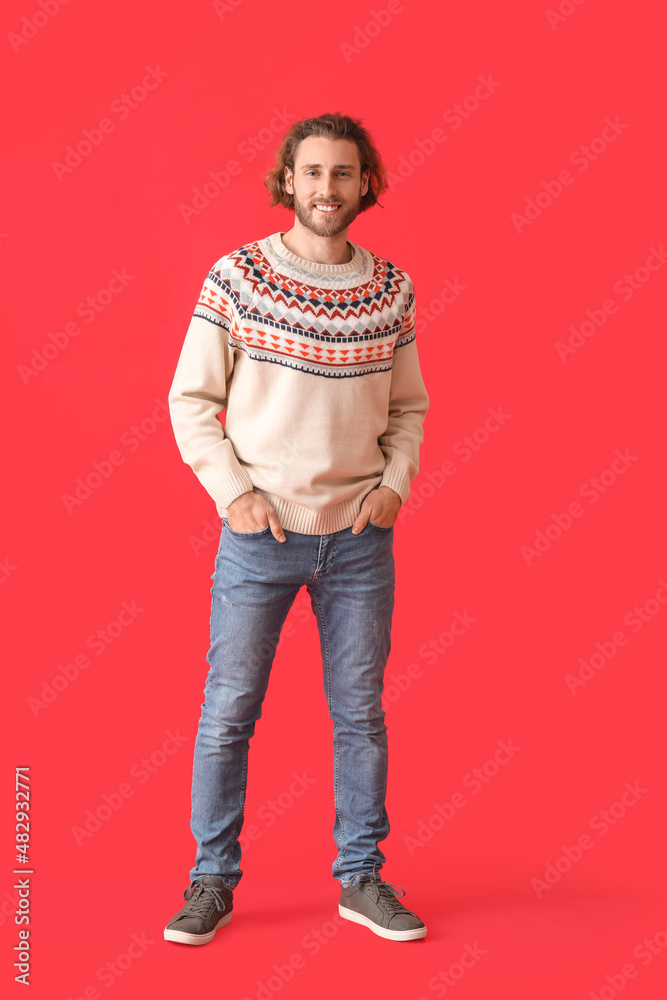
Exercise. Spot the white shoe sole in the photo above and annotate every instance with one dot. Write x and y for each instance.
(359, 918)
(182, 937)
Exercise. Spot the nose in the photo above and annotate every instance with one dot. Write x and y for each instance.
(328, 187)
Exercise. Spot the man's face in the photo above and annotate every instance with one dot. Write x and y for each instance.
(326, 172)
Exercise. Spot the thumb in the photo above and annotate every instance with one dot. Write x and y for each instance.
(275, 525)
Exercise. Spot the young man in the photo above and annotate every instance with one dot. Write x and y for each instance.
(308, 342)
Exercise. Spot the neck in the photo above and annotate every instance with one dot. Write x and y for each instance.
(318, 249)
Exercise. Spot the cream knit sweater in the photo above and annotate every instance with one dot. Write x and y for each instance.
(316, 368)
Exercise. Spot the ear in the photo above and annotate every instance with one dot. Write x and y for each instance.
(288, 180)
(365, 180)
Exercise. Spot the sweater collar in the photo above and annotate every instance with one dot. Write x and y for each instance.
(355, 265)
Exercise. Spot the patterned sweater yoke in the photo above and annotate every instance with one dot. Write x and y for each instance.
(275, 309)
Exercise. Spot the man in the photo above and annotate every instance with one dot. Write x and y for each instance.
(308, 342)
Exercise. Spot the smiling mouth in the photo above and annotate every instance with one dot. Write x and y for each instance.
(327, 209)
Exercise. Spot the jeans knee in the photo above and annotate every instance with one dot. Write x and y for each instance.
(225, 727)
(370, 724)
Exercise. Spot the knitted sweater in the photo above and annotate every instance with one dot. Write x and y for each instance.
(316, 368)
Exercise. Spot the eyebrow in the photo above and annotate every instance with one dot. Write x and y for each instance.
(337, 166)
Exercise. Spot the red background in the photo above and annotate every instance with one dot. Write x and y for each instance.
(459, 543)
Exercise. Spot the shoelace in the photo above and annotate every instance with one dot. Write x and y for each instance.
(385, 891)
(198, 899)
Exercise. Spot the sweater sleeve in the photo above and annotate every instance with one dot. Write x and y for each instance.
(408, 406)
(199, 393)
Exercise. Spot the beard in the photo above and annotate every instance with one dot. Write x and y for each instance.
(324, 225)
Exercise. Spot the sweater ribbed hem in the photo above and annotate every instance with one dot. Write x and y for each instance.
(295, 517)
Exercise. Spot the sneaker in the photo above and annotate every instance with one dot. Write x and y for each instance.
(208, 907)
(373, 903)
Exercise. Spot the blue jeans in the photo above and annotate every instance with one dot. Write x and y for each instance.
(350, 579)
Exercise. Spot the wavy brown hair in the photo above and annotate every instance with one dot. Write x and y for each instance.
(330, 126)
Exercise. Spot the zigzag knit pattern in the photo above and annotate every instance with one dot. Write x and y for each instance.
(348, 324)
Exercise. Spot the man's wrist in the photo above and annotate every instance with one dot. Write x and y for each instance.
(391, 490)
(237, 497)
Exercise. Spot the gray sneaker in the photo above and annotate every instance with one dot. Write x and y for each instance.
(208, 907)
(374, 904)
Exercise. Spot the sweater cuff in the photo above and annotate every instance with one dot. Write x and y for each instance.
(229, 485)
(397, 479)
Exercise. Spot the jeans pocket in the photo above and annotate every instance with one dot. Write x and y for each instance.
(245, 534)
(381, 527)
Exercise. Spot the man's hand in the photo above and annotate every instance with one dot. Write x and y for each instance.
(252, 512)
(381, 506)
